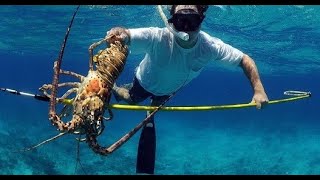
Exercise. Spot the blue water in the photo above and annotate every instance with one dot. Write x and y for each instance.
(279, 139)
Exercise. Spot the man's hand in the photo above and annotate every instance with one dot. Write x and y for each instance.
(250, 69)
(261, 99)
(118, 34)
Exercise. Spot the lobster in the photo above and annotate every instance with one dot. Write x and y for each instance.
(92, 96)
(93, 92)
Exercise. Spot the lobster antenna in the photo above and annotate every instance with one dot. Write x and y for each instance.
(57, 67)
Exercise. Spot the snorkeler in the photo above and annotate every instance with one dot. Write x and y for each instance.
(175, 55)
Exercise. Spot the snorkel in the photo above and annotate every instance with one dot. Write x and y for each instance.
(182, 35)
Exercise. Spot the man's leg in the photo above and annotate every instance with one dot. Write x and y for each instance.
(147, 143)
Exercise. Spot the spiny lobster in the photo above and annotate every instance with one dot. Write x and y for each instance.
(92, 93)
(92, 98)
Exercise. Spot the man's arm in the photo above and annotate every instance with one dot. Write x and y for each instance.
(139, 39)
(250, 69)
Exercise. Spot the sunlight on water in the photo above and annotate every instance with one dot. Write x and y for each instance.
(271, 34)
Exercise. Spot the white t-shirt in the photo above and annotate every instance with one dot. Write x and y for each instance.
(166, 66)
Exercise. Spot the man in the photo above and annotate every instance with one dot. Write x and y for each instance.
(171, 62)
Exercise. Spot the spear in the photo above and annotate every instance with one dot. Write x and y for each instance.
(36, 96)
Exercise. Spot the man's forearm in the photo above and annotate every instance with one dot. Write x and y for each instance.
(250, 69)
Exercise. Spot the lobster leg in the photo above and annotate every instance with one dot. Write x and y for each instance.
(99, 128)
(68, 93)
(70, 73)
(94, 45)
(56, 119)
(44, 88)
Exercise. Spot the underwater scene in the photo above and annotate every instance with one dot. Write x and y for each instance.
(211, 128)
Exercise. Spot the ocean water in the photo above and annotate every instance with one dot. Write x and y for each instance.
(279, 139)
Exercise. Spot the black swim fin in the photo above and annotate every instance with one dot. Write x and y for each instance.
(147, 149)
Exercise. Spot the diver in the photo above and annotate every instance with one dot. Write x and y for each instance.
(175, 55)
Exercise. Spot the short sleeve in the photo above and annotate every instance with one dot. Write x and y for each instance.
(227, 53)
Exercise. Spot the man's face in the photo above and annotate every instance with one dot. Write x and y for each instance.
(186, 18)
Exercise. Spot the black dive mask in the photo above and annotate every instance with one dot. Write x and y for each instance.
(186, 20)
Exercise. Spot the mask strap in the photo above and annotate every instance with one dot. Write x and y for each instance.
(182, 35)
